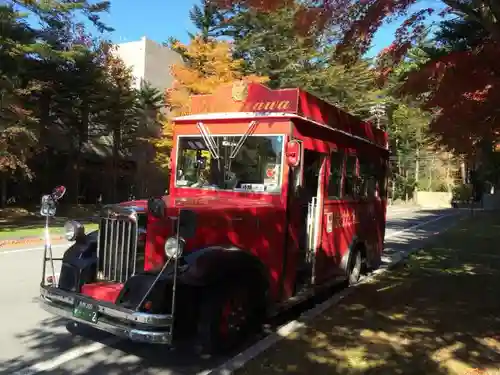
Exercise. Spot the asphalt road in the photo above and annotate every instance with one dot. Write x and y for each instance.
(32, 341)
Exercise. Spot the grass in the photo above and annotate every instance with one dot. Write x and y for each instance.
(18, 222)
(35, 230)
(439, 313)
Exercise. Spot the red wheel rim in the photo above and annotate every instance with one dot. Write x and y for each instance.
(232, 316)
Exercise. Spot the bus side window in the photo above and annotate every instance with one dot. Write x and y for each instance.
(335, 180)
(369, 176)
(381, 171)
(365, 177)
(350, 179)
(372, 182)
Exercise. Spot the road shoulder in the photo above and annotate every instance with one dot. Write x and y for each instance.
(437, 314)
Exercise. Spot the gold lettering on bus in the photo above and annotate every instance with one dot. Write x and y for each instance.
(258, 106)
(344, 219)
(269, 106)
(285, 104)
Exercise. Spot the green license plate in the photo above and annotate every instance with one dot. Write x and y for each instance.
(86, 311)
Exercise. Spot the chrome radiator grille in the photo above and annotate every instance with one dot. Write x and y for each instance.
(117, 249)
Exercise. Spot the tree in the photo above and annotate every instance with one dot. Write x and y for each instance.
(358, 21)
(17, 124)
(256, 43)
(206, 18)
(210, 65)
(33, 61)
(304, 60)
(149, 117)
(458, 80)
(119, 114)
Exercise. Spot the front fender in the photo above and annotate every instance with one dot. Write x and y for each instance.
(215, 264)
(79, 263)
(86, 248)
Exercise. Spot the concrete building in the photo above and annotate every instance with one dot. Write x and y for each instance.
(149, 62)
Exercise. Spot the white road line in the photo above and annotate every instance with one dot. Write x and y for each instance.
(28, 249)
(70, 355)
(233, 363)
(394, 234)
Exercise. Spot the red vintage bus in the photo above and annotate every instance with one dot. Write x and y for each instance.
(273, 195)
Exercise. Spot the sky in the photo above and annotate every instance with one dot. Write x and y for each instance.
(160, 19)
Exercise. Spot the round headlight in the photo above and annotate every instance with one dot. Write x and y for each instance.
(174, 249)
(72, 230)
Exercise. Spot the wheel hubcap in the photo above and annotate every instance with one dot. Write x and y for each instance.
(356, 268)
(233, 317)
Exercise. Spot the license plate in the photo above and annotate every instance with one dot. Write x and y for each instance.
(86, 311)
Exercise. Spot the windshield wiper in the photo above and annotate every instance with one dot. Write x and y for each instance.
(207, 137)
(251, 128)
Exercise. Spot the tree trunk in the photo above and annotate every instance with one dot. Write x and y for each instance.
(417, 170)
(463, 172)
(429, 186)
(448, 185)
(115, 163)
(3, 189)
(44, 105)
(406, 185)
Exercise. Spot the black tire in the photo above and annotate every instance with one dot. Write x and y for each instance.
(355, 267)
(228, 315)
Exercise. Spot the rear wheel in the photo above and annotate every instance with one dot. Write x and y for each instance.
(355, 267)
(229, 314)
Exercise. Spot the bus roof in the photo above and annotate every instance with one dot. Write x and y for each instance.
(252, 100)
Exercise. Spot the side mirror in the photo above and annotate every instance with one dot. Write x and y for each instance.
(157, 207)
(49, 201)
(293, 153)
(47, 206)
(187, 224)
(58, 192)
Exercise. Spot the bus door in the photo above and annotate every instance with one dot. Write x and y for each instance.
(310, 214)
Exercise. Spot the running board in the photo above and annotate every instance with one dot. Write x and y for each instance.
(304, 295)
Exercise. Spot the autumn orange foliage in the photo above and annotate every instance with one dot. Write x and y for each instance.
(208, 65)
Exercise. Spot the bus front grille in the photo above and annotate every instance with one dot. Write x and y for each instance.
(117, 249)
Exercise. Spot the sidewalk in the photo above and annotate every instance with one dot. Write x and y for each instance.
(18, 243)
(33, 235)
(437, 314)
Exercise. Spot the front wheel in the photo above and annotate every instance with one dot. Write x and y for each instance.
(228, 315)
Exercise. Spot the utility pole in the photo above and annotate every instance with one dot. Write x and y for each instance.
(378, 111)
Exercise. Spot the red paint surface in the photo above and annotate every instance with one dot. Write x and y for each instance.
(257, 222)
(299, 102)
(102, 291)
(141, 203)
(259, 99)
(254, 222)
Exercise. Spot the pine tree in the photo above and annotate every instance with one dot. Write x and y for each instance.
(210, 65)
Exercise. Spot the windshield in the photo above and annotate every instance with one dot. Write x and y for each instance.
(256, 166)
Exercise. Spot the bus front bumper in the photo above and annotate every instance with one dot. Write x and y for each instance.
(105, 316)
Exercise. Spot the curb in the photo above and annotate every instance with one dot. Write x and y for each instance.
(27, 241)
(298, 326)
